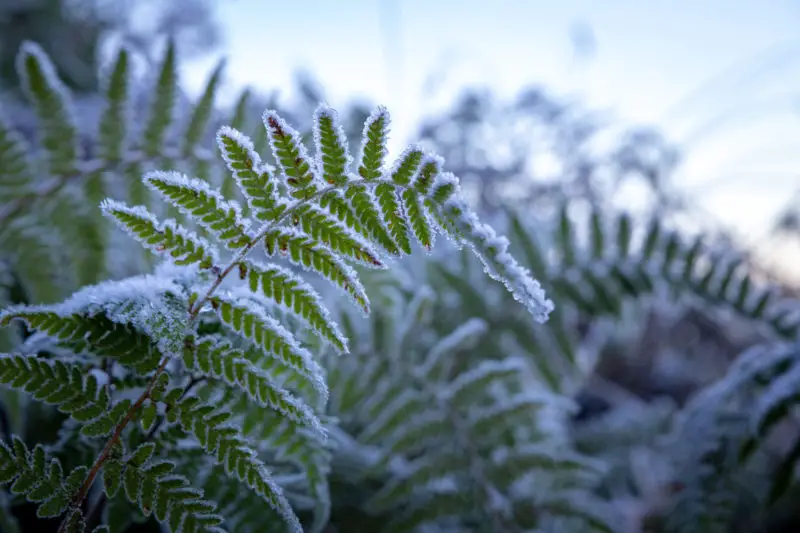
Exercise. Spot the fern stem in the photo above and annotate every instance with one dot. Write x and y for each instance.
(193, 313)
(87, 484)
(92, 515)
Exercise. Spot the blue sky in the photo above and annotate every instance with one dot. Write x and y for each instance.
(721, 78)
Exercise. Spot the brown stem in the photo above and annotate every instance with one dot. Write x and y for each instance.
(91, 515)
(87, 484)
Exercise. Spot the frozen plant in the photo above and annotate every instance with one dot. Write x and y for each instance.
(152, 366)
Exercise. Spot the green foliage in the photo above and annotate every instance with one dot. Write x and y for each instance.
(455, 439)
(39, 479)
(448, 409)
(184, 356)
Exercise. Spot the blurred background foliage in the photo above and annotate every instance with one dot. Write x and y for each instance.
(529, 154)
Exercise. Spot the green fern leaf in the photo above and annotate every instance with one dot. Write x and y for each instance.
(108, 320)
(184, 246)
(162, 108)
(430, 168)
(253, 324)
(96, 335)
(291, 156)
(301, 250)
(221, 361)
(17, 175)
(370, 223)
(202, 112)
(492, 250)
(37, 477)
(284, 288)
(332, 157)
(196, 199)
(318, 224)
(418, 218)
(386, 193)
(373, 149)
(53, 108)
(67, 386)
(230, 449)
(254, 178)
(113, 123)
(154, 488)
(420, 473)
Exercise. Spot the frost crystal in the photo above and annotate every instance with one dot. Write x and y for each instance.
(499, 264)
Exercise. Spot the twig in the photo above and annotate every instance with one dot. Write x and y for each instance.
(93, 514)
(87, 484)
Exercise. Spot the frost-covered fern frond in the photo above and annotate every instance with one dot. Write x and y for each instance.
(722, 448)
(599, 265)
(598, 271)
(201, 357)
(454, 442)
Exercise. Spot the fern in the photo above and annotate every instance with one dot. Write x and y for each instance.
(450, 445)
(41, 480)
(598, 280)
(154, 338)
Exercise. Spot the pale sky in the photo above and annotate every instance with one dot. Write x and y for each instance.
(720, 78)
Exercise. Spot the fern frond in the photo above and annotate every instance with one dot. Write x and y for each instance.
(303, 251)
(32, 255)
(419, 473)
(318, 224)
(467, 385)
(388, 200)
(40, 479)
(17, 175)
(184, 246)
(333, 159)
(202, 112)
(463, 224)
(97, 335)
(291, 156)
(253, 324)
(253, 177)
(373, 149)
(220, 360)
(388, 195)
(196, 199)
(418, 218)
(53, 109)
(778, 400)
(227, 445)
(113, 123)
(367, 213)
(286, 289)
(134, 322)
(66, 386)
(153, 486)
